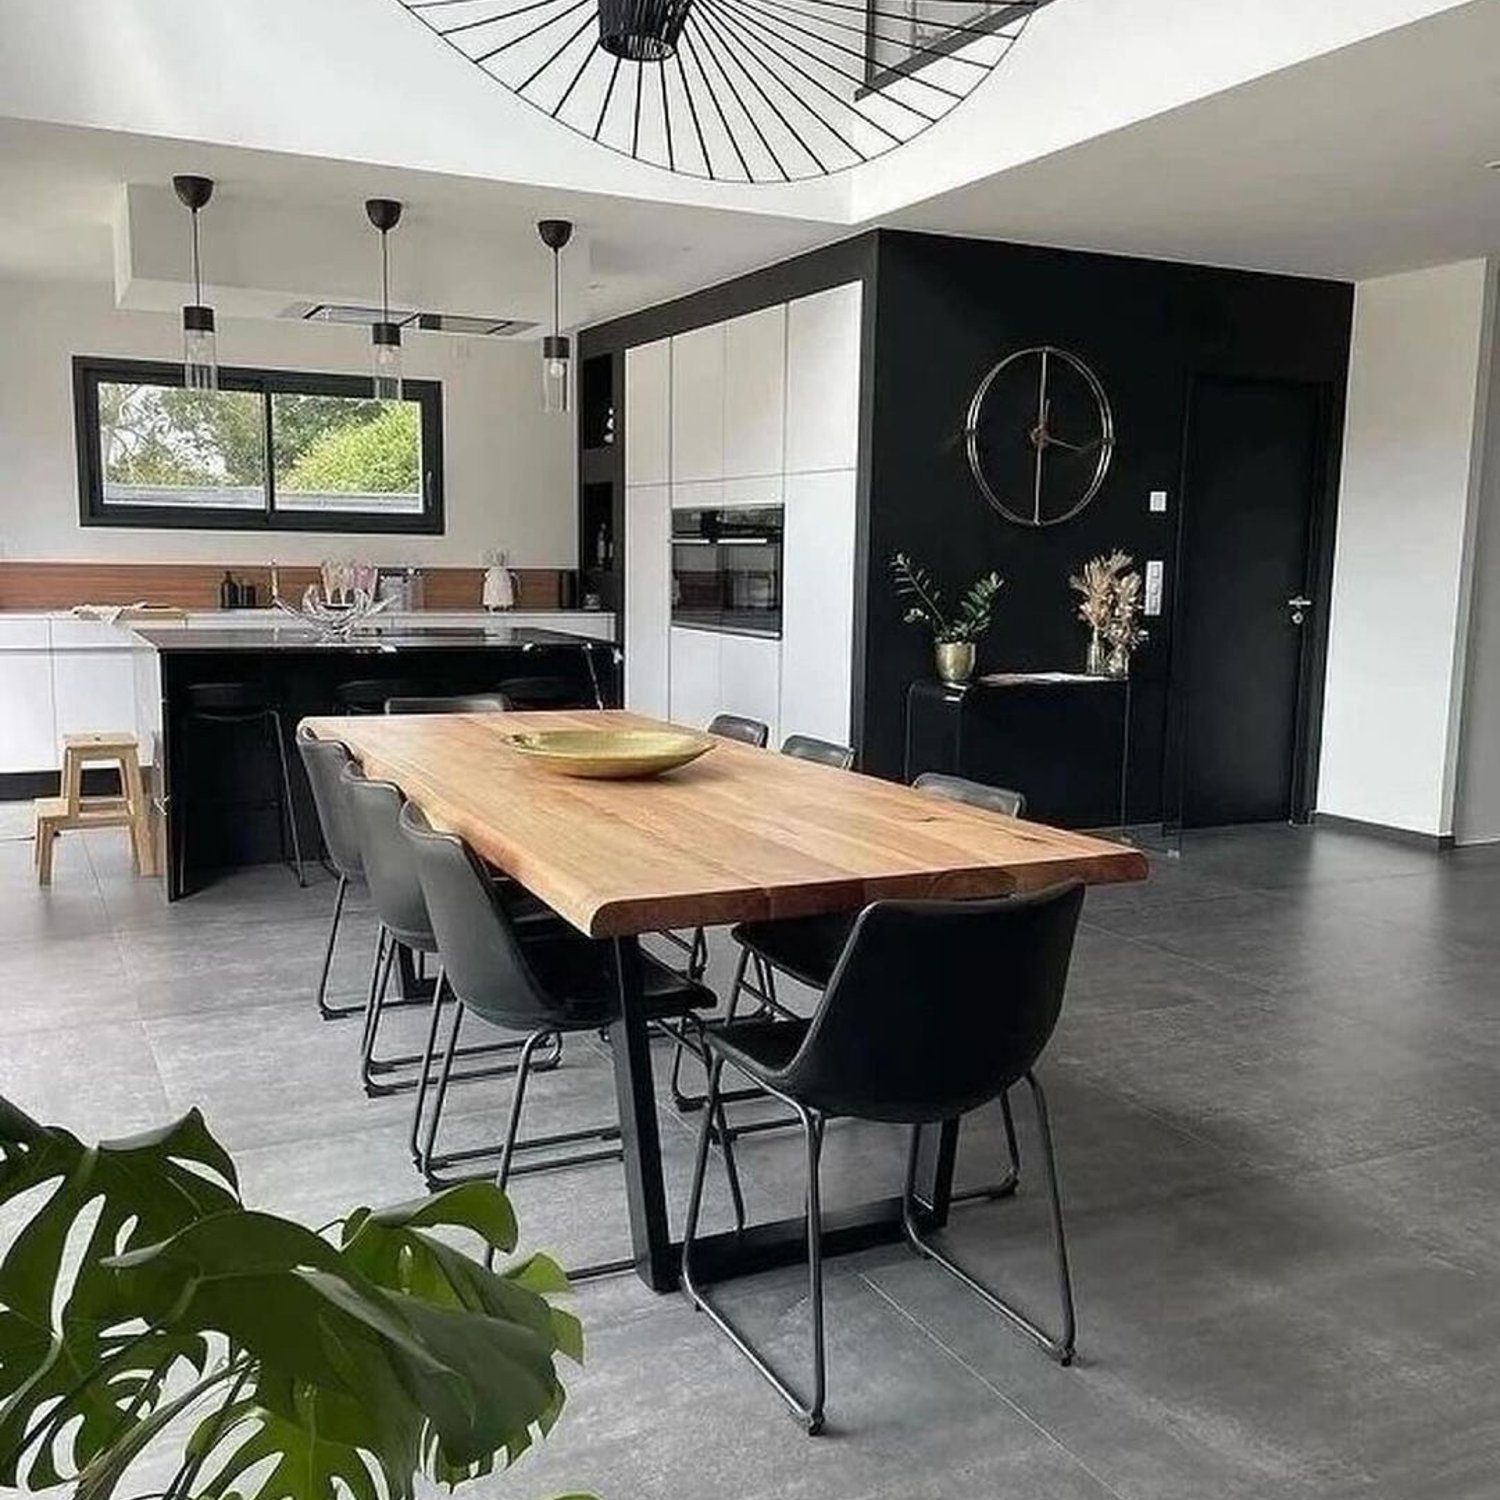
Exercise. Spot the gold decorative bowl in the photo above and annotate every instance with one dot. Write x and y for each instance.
(610, 754)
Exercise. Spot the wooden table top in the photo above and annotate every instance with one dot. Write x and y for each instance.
(739, 835)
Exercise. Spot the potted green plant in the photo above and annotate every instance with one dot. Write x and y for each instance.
(953, 634)
(143, 1305)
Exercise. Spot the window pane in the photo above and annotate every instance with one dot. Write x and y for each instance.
(164, 445)
(347, 453)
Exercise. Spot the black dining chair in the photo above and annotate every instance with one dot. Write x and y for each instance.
(935, 1009)
(545, 985)
(996, 799)
(806, 949)
(368, 695)
(459, 703)
(742, 731)
(799, 747)
(324, 761)
(404, 926)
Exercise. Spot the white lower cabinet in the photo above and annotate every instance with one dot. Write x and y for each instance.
(28, 741)
(93, 691)
(750, 680)
(715, 673)
(648, 592)
(694, 697)
(817, 620)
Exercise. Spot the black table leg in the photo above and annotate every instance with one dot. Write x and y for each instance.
(655, 1255)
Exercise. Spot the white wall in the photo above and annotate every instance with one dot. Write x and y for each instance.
(508, 468)
(1476, 808)
(1404, 551)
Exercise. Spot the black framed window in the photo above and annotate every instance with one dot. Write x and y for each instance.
(270, 450)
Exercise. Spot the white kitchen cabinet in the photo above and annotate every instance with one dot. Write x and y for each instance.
(817, 621)
(694, 676)
(755, 393)
(648, 413)
(822, 380)
(750, 680)
(648, 596)
(94, 691)
(28, 733)
(697, 404)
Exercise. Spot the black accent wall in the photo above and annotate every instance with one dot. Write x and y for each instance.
(947, 310)
(939, 312)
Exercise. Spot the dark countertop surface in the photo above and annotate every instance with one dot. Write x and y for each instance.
(407, 638)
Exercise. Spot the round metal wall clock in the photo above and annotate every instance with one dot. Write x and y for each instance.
(1040, 436)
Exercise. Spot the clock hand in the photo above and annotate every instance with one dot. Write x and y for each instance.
(1057, 442)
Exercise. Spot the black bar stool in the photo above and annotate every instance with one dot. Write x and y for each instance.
(936, 1008)
(231, 708)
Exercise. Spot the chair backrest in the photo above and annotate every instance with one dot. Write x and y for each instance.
(736, 727)
(390, 871)
(998, 799)
(324, 761)
(937, 1007)
(462, 703)
(367, 695)
(540, 693)
(482, 960)
(825, 752)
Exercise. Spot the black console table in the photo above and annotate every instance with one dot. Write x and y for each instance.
(1061, 738)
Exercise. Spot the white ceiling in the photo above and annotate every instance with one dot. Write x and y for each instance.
(1364, 160)
(1367, 160)
(65, 191)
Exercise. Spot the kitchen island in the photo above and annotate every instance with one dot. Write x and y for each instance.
(215, 775)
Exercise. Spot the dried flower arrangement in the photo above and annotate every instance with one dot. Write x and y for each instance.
(1110, 601)
(972, 616)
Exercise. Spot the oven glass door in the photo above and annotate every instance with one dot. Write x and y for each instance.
(726, 569)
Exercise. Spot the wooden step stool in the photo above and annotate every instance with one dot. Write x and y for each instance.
(73, 810)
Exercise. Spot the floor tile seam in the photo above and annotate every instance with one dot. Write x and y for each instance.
(1002, 1396)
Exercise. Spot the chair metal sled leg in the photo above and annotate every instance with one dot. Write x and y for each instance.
(689, 1103)
(327, 1011)
(1007, 1185)
(808, 1412)
(1060, 1346)
(371, 1065)
(435, 1164)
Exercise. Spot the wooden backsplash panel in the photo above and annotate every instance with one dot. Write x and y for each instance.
(60, 585)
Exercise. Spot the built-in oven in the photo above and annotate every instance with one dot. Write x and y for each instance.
(726, 569)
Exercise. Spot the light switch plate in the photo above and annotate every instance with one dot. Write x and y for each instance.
(1158, 502)
(1154, 573)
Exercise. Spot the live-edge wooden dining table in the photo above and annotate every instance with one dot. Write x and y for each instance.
(739, 835)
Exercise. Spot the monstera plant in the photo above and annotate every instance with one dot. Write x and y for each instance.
(143, 1306)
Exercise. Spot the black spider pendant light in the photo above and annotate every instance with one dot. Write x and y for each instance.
(200, 341)
(385, 336)
(737, 90)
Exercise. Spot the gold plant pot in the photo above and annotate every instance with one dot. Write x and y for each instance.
(955, 660)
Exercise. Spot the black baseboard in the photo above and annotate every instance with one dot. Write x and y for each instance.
(1408, 836)
(23, 786)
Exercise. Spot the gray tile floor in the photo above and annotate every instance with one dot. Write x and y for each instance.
(1276, 1091)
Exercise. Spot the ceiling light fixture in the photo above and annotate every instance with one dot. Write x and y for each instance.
(556, 349)
(737, 90)
(200, 344)
(385, 336)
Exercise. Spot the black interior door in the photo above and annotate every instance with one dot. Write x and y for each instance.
(1254, 459)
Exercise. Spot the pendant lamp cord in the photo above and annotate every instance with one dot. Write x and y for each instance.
(556, 294)
(197, 265)
(385, 276)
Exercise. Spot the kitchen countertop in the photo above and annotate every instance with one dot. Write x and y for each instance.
(403, 638)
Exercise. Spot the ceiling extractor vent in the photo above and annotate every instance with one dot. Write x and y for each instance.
(470, 325)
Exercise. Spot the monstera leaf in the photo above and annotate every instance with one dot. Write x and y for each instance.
(315, 1366)
(94, 1360)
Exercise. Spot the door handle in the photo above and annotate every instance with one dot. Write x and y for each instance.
(1299, 605)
